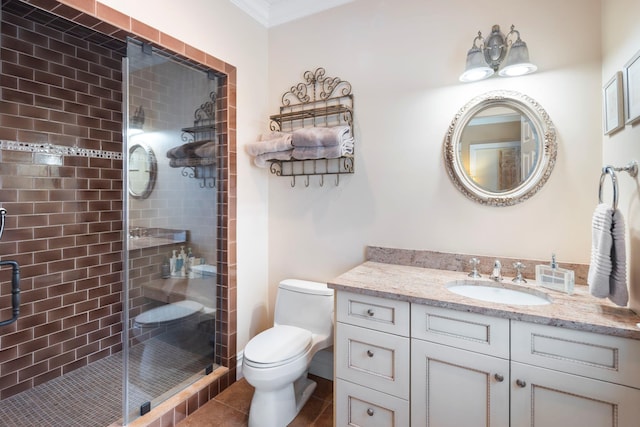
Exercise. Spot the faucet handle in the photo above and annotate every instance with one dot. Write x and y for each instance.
(519, 279)
(474, 263)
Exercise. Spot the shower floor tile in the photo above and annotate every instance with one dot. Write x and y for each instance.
(91, 396)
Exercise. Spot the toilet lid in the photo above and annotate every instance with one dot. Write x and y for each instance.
(169, 312)
(277, 344)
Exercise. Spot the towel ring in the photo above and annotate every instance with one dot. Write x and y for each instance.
(631, 169)
(608, 170)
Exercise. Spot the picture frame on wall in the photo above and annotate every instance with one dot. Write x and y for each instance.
(631, 80)
(613, 108)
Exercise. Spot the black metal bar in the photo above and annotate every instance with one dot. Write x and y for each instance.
(15, 291)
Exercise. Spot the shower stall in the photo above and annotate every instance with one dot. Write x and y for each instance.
(114, 177)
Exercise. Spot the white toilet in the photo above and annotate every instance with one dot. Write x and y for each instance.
(276, 361)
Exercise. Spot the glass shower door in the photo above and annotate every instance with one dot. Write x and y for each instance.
(170, 214)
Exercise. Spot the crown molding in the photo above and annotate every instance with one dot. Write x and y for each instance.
(257, 9)
(270, 13)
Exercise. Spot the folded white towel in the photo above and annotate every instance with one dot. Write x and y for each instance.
(309, 153)
(269, 143)
(601, 246)
(262, 160)
(619, 294)
(321, 136)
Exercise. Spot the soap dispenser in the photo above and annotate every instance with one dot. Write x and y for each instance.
(553, 277)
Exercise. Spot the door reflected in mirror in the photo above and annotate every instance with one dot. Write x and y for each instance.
(499, 148)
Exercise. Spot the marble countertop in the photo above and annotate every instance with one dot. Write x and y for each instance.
(420, 285)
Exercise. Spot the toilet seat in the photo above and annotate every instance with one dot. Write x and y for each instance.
(168, 313)
(277, 346)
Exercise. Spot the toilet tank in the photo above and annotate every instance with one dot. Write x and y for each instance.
(305, 304)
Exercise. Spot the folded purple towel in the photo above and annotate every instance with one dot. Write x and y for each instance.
(321, 136)
(207, 151)
(261, 160)
(309, 153)
(273, 142)
(185, 150)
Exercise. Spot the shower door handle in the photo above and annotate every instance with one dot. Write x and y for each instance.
(15, 291)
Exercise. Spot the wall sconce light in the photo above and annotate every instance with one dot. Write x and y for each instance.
(486, 56)
(136, 122)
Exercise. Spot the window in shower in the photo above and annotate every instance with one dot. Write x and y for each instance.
(171, 208)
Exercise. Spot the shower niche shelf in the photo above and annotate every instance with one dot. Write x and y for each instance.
(318, 101)
(201, 136)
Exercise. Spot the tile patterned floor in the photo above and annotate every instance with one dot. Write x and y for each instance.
(231, 408)
(92, 395)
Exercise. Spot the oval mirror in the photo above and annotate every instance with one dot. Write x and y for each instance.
(143, 171)
(500, 148)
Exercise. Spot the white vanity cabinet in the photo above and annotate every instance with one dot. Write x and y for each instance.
(497, 372)
(371, 361)
(401, 364)
(459, 369)
(573, 378)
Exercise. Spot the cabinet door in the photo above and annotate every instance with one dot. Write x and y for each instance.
(541, 398)
(454, 388)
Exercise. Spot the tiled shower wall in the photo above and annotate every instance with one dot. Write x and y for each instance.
(64, 223)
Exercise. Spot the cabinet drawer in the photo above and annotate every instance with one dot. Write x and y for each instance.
(373, 312)
(363, 407)
(603, 357)
(468, 331)
(373, 359)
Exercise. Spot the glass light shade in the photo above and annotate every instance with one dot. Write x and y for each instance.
(477, 68)
(517, 61)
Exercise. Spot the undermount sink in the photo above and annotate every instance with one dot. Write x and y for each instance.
(498, 293)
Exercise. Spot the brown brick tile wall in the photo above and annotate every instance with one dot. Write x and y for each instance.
(64, 223)
(24, 241)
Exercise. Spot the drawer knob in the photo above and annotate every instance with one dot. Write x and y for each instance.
(521, 383)
(370, 312)
(498, 378)
(370, 412)
(369, 353)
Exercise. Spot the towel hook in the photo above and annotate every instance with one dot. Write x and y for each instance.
(608, 170)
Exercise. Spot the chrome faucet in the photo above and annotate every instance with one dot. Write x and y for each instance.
(474, 263)
(496, 274)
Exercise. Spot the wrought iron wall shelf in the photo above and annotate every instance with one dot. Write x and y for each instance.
(318, 101)
(202, 132)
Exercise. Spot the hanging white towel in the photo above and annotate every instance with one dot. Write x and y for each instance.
(607, 276)
(619, 294)
(601, 246)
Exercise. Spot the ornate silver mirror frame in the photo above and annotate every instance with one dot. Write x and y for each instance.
(545, 139)
(143, 171)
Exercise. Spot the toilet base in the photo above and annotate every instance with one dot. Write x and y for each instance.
(277, 408)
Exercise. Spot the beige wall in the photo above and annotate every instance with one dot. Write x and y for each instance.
(620, 41)
(403, 59)
(224, 31)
